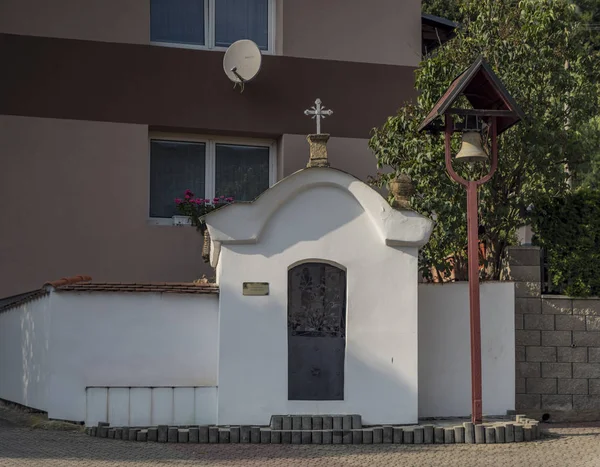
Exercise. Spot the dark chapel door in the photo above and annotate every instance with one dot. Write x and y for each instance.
(316, 332)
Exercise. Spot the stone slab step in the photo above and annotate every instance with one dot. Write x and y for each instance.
(316, 422)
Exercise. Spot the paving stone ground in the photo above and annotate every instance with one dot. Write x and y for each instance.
(576, 445)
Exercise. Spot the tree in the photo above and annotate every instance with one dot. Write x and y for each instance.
(538, 49)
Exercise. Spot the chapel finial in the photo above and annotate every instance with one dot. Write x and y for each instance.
(318, 141)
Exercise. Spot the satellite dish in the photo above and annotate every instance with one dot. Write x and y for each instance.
(242, 62)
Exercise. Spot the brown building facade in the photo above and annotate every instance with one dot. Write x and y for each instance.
(109, 108)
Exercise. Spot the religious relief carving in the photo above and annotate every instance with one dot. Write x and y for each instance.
(317, 300)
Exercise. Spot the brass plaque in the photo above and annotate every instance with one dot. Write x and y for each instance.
(255, 288)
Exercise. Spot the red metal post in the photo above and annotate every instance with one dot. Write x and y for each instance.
(473, 252)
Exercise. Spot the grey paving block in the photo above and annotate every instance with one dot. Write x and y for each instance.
(213, 434)
(255, 434)
(119, 433)
(306, 437)
(286, 423)
(275, 437)
(327, 423)
(357, 436)
(438, 435)
(448, 435)
(111, 433)
(296, 422)
(277, 422)
(338, 422)
(469, 433)
(245, 434)
(152, 434)
(459, 434)
(519, 437)
(193, 435)
(307, 422)
(183, 436)
(133, 434)
(479, 434)
(317, 423)
(356, 422)
(388, 434)
(234, 434)
(398, 435)
(367, 435)
(347, 436)
(527, 433)
(500, 434)
(317, 436)
(509, 433)
(490, 435)
(428, 434)
(94, 431)
(347, 422)
(203, 434)
(142, 436)
(408, 437)
(162, 433)
(297, 437)
(102, 431)
(265, 436)
(377, 435)
(419, 435)
(286, 437)
(327, 437)
(338, 436)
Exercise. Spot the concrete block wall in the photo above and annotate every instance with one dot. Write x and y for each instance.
(557, 343)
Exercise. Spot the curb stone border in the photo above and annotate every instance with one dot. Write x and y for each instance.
(522, 429)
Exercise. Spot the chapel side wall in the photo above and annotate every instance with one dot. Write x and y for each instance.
(557, 346)
(139, 340)
(324, 224)
(445, 349)
(24, 342)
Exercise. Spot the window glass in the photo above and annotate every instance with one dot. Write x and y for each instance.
(242, 19)
(180, 21)
(241, 172)
(174, 167)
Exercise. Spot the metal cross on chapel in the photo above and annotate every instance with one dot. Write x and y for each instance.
(318, 112)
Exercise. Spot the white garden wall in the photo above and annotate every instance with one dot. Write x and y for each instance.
(54, 348)
(445, 349)
(24, 344)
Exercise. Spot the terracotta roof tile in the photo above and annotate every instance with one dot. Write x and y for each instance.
(68, 280)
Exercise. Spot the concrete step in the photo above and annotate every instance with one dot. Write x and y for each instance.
(316, 422)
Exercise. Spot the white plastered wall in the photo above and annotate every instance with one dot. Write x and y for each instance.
(54, 348)
(323, 223)
(445, 349)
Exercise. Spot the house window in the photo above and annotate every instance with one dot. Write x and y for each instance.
(212, 24)
(209, 167)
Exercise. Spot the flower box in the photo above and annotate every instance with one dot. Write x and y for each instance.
(182, 220)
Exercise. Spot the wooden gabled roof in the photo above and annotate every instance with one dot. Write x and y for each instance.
(484, 91)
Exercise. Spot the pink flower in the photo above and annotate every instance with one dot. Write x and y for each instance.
(189, 192)
(192, 201)
(199, 201)
(215, 200)
(187, 196)
(178, 200)
(229, 200)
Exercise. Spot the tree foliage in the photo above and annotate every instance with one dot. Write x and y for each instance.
(569, 231)
(538, 49)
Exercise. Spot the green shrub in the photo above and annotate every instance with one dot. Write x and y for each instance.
(568, 228)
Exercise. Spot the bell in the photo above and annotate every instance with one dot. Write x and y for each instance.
(471, 150)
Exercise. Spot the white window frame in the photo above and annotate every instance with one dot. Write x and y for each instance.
(209, 31)
(210, 157)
